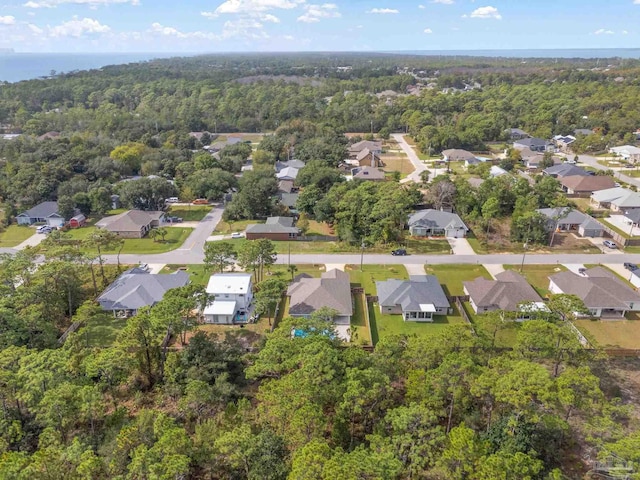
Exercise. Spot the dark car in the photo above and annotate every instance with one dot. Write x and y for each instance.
(400, 252)
(174, 219)
(631, 266)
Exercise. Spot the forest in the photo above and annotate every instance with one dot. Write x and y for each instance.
(232, 405)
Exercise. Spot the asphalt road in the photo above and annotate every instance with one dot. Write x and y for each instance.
(413, 157)
(593, 162)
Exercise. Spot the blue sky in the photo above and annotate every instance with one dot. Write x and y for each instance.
(308, 25)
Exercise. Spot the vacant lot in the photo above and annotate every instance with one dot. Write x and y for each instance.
(230, 227)
(370, 274)
(452, 276)
(194, 213)
(174, 238)
(14, 235)
(611, 334)
(538, 275)
(397, 163)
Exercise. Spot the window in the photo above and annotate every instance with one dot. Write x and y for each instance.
(293, 235)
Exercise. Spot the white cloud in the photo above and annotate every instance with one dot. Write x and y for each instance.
(36, 30)
(625, 32)
(159, 29)
(383, 11)
(90, 3)
(78, 27)
(603, 31)
(288, 37)
(636, 2)
(443, 2)
(428, 31)
(421, 7)
(8, 20)
(314, 13)
(250, 7)
(486, 12)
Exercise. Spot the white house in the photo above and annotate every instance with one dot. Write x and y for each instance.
(232, 296)
(45, 212)
(627, 152)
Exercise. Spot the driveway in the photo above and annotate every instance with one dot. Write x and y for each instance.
(461, 246)
(33, 241)
(415, 269)
(494, 269)
(418, 165)
(574, 267)
(605, 250)
(619, 269)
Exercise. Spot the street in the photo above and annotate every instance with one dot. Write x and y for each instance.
(593, 162)
(413, 157)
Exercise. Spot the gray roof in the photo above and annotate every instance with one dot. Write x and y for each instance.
(517, 131)
(274, 225)
(289, 199)
(458, 154)
(331, 290)
(368, 173)
(129, 221)
(582, 131)
(291, 163)
(565, 170)
(365, 144)
(598, 288)
(137, 288)
(532, 142)
(436, 219)
(410, 294)
(619, 196)
(287, 172)
(506, 292)
(566, 215)
(42, 210)
(633, 216)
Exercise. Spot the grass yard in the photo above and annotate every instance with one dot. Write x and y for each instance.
(611, 334)
(230, 227)
(398, 163)
(505, 337)
(200, 275)
(631, 173)
(537, 275)
(452, 276)
(319, 228)
(360, 333)
(371, 273)
(195, 213)
(102, 331)
(14, 235)
(175, 238)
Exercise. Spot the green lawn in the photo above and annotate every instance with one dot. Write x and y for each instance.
(200, 275)
(230, 227)
(452, 276)
(175, 238)
(194, 213)
(371, 273)
(631, 173)
(360, 333)
(611, 333)
(102, 331)
(14, 235)
(538, 275)
(506, 336)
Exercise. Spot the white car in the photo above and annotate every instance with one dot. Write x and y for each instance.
(237, 235)
(43, 229)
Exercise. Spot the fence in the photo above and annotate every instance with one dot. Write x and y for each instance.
(458, 301)
(318, 238)
(72, 328)
(619, 239)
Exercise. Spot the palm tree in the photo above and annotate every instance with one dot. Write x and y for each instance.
(162, 231)
(154, 234)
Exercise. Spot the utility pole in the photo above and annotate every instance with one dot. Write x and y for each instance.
(362, 245)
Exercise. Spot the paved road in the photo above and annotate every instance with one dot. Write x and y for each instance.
(413, 157)
(593, 162)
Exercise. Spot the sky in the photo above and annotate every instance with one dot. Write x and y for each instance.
(195, 26)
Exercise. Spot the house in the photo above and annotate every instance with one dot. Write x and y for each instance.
(627, 152)
(368, 158)
(563, 142)
(368, 173)
(289, 200)
(287, 186)
(617, 199)
(533, 144)
(457, 155)
(287, 173)
(569, 220)
(603, 293)
(417, 299)
(508, 292)
(298, 164)
(232, 297)
(275, 228)
(516, 133)
(426, 223)
(132, 223)
(45, 212)
(372, 146)
(633, 217)
(585, 185)
(565, 170)
(582, 131)
(332, 290)
(137, 288)
(78, 221)
(198, 135)
(496, 171)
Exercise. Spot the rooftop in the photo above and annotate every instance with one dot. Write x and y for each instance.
(331, 290)
(506, 292)
(230, 283)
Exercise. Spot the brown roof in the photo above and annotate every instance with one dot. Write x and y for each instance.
(365, 153)
(506, 292)
(368, 144)
(331, 290)
(599, 288)
(591, 183)
(285, 186)
(454, 154)
(369, 173)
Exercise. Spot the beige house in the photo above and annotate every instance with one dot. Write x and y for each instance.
(132, 223)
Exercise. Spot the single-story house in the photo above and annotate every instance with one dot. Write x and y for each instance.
(294, 163)
(287, 186)
(369, 159)
(617, 199)
(332, 290)
(287, 173)
(603, 293)
(585, 185)
(137, 288)
(563, 142)
(496, 171)
(78, 221)
(275, 228)
(368, 173)
(582, 131)
(508, 292)
(417, 299)
(565, 219)
(426, 223)
(372, 146)
(627, 152)
(457, 155)
(565, 170)
(633, 217)
(45, 212)
(534, 144)
(232, 295)
(516, 133)
(289, 200)
(132, 223)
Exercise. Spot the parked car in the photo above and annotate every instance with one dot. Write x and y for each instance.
(143, 266)
(237, 235)
(172, 200)
(610, 244)
(174, 219)
(43, 229)
(630, 266)
(201, 201)
(582, 271)
(399, 252)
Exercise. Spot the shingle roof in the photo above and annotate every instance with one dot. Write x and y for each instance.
(290, 163)
(285, 186)
(365, 144)
(137, 288)
(458, 154)
(288, 172)
(565, 170)
(274, 225)
(331, 290)
(599, 288)
(365, 153)
(589, 183)
(532, 142)
(42, 210)
(619, 196)
(289, 199)
(571, 216)
(129, 221)
(506, 292)
(436, 219)
(517, 131)
(410, 294)
(368, 173)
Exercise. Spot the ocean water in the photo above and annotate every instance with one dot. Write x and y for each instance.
(536, 53)
(25, 66)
